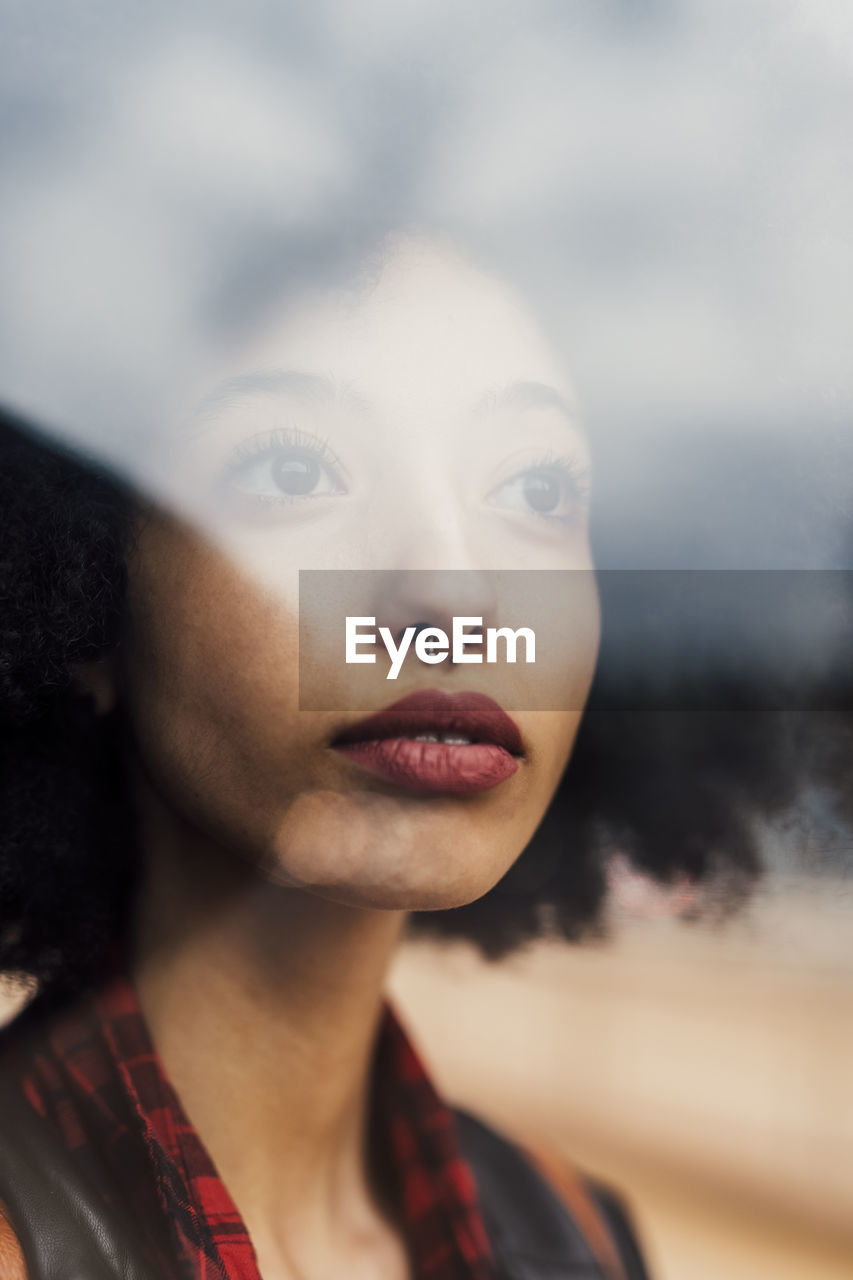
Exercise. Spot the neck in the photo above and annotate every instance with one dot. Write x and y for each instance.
(270, 998)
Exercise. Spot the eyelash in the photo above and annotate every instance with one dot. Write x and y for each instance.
(268, 443)
(561, 462)
(280, 438)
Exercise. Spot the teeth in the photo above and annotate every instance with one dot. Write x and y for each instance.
(445, 738)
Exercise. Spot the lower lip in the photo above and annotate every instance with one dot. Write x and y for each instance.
(435, 766)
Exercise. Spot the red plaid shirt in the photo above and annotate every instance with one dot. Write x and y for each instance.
(93, 1072)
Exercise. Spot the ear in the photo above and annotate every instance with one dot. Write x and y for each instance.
(97, 680)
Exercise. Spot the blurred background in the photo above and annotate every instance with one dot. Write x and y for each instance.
(671, 182)
(704, 1072)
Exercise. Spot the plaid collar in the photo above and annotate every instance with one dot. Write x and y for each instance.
(94, 1072)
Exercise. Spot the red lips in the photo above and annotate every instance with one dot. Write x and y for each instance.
(387, 743)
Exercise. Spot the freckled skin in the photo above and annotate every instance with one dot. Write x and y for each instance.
(208, 673)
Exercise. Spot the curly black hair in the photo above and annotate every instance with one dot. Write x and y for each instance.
(675, 786)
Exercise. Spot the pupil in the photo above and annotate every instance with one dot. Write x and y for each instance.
(295, 475)
(542, 491)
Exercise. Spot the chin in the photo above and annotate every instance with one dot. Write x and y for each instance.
(405, 897)
(378, 852)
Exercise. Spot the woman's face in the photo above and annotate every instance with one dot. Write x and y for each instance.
(419, 422)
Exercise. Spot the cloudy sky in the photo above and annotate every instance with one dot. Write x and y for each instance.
(672, 178)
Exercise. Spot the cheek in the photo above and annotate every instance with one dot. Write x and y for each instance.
(552, 734)
(209, 675)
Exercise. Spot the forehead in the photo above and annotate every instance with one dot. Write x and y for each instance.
(424, 325)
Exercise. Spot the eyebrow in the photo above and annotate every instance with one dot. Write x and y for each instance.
(529, 395)
(320, 388)
(324, 389)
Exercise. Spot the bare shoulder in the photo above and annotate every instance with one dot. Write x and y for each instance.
(12, 1265)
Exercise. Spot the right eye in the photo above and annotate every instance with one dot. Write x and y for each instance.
(285, 468)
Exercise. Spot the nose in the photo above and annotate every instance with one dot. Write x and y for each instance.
(422, 598)
(437, 563)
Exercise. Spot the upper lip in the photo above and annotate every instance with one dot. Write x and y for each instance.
(464, 715)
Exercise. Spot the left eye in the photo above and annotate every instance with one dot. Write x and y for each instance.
(286, 473)
(549, 491)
